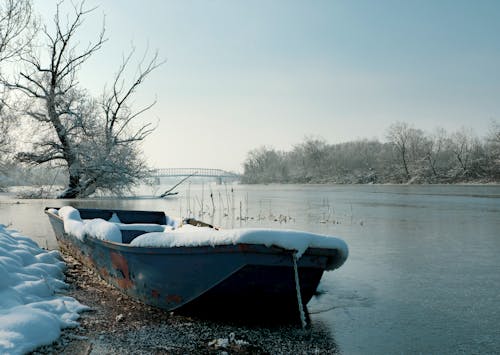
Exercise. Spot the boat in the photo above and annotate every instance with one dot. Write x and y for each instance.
(238, 276)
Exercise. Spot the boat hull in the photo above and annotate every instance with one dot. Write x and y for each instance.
(242, 278)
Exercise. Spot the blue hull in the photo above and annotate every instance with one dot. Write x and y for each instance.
(248, 277)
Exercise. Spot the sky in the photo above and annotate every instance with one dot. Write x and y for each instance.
(244, 74)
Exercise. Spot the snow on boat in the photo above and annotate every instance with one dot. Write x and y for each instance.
(197, 268)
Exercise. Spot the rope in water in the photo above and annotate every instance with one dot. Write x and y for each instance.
(299, 297)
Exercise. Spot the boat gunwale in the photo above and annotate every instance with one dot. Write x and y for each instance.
(222, 248)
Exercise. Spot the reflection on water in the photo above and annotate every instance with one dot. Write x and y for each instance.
(423, 270)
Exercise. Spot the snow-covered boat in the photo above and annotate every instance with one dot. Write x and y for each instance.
(149, 257)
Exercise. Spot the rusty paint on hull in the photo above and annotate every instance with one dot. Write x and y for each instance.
(120, 266)
(173, 299)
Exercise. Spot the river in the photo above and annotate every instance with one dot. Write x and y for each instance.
(423, 274)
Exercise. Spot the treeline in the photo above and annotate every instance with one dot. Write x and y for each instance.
(14, 174)
(409, 155)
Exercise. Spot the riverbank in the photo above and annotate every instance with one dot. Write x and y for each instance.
(117, 324)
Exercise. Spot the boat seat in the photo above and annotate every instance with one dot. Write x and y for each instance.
(129, 234)
(125, 216)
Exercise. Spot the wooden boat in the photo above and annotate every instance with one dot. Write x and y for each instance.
(241, 279)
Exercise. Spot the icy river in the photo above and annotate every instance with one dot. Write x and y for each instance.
(423, 274)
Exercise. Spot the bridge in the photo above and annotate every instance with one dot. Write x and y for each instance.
(218, 174)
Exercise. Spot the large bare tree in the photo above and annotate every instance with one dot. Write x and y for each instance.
(94, 139)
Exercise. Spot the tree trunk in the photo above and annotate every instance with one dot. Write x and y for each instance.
(405, 164)
(431, 164)
(74, 189)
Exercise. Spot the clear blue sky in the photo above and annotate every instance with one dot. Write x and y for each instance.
(241, 74)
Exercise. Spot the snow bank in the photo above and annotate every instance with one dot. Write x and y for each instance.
(99, 228)
(190, 236)
(31, 314)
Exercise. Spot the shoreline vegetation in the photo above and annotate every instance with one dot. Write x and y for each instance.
(410, 156)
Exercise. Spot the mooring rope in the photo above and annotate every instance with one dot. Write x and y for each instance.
(297, 287)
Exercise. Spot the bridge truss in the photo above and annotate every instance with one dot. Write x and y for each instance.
(196, 172)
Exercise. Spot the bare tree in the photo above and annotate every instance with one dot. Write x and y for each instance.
(312, 157)
(494, 137)
(91, 138)
(115, 107)
(434, 150)
(17, 28)
(464, 146)
(399, 135)
(493, 149)
(265, 165)
(4, 139)
(428, 158)
(495, 132)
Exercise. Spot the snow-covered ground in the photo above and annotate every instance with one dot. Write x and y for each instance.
(32, 309)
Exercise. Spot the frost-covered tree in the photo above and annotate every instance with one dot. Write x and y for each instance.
(410, 155)
(468, 154)
(4, 143)
(493, 147)
(312, 159)
(401, 135)
(434, 152)
(17, 28)
(93, 139)
(265, 165)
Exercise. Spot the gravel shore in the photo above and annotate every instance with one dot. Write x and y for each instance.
(117, 324)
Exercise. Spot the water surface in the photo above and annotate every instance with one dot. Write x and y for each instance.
(423, 275)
